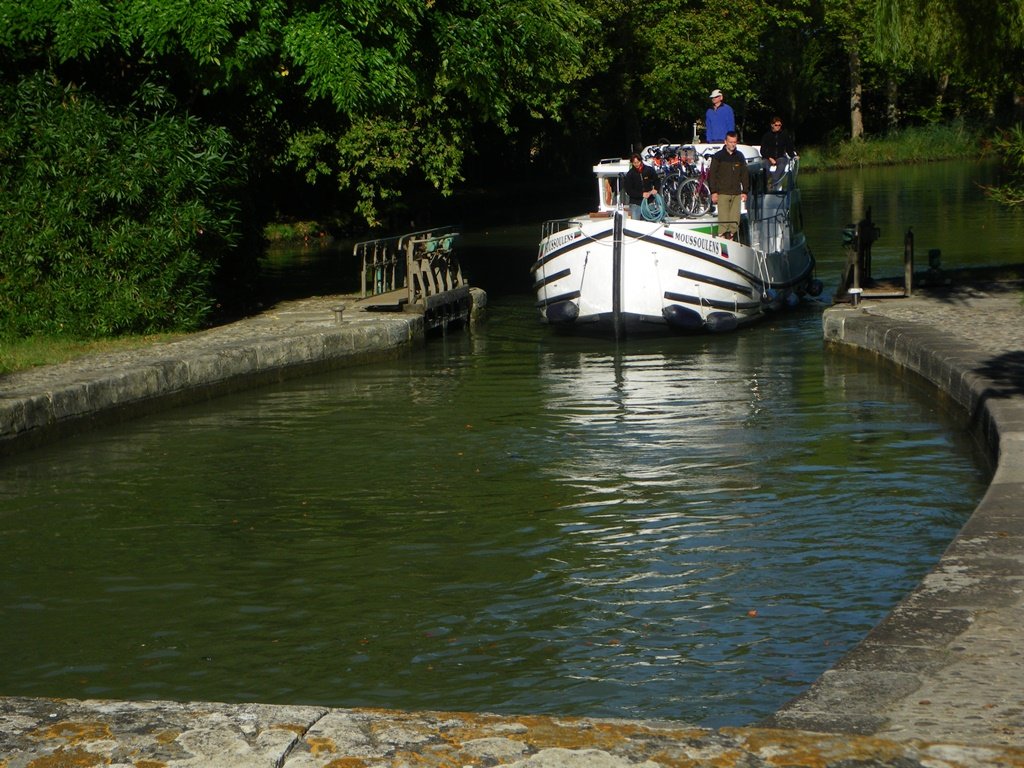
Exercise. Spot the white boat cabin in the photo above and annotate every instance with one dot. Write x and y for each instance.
(772, 217)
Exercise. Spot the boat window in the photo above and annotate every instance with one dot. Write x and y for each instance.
(611, 192)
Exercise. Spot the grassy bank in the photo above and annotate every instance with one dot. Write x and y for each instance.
(20, 354)
(285, 231)
(912, 145)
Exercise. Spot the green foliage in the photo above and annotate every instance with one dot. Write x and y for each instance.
(355, 56)
(114, 222)
(409, 82)
(911, 145)
(1010, 146)
(690, 56)
(280, 231)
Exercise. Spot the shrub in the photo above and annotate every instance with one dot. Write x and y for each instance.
(115, 219)
(911, 145)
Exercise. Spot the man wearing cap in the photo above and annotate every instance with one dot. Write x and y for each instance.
(719, 119)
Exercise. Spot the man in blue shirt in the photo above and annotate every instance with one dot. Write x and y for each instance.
(719, 119)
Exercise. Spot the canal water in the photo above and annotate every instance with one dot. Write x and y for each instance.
(505, 520)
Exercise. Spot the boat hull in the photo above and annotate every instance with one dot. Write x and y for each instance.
(661, 276)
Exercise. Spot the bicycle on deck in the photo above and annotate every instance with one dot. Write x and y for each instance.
(694, 194)
(668, 163)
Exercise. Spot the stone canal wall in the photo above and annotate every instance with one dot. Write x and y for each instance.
(948, 662)
(292, 339)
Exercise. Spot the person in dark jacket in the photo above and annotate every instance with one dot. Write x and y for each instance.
(777, 149)
(641, 182)
(729, 182)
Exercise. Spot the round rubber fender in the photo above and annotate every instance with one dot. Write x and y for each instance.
(561, 312)
(682, 317)
(720, 322)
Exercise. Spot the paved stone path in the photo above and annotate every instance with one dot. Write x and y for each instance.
(39, 733)
(939, 683)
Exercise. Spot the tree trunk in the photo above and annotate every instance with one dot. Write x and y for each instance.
(940, 90)
(892, 112)
(856, 90)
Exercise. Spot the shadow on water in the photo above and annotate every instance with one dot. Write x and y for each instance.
(316, 267)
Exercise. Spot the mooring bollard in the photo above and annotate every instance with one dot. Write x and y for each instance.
(338, 313)
(855, 295)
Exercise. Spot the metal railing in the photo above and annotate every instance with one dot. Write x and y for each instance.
(423, 263)
(552, 226)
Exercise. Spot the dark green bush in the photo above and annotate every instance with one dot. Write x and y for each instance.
(115, 220)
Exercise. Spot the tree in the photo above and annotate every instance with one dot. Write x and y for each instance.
(849, 22)
(797, 74)
(1011, 147)
(367, 92)
(945, 39)
(376, 96)
(114, 221)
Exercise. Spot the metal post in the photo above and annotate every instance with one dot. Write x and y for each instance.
(908, 262)
(617, 276)
(856, 258)
(410, 271)
(864, 248)
(359, 249)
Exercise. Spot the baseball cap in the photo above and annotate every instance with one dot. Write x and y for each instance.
(714, 93)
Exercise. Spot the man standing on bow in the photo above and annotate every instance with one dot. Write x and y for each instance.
(729, 180)
(777, 149)
(719, 119)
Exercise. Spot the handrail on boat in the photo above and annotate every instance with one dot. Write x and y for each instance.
(552, 226)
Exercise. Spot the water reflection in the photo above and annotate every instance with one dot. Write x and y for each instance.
(944, 203)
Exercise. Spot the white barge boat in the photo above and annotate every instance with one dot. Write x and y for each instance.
(607, 273)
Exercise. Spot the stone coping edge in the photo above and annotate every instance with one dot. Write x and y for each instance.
(44, 733)
(134, 384)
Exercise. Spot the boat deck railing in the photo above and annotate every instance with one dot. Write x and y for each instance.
(552, 226)
(769, 233)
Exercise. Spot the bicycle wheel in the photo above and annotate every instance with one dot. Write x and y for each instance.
(671, 196)
(702, 199)
(694, 197)
(685, 196)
